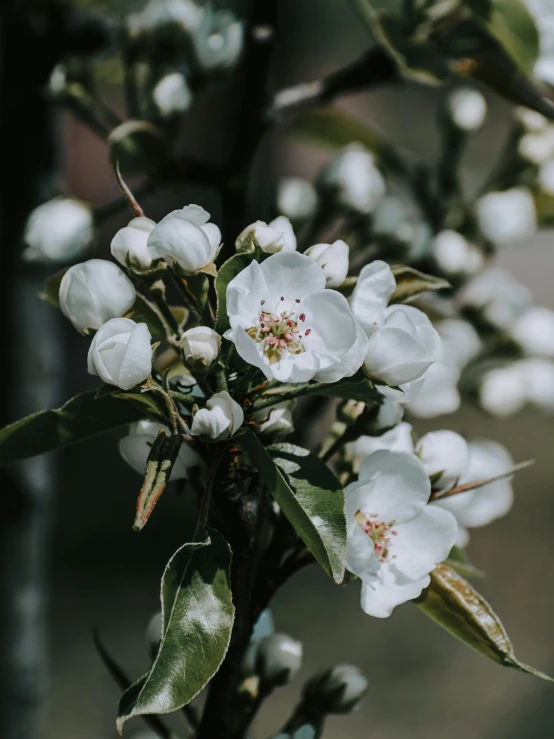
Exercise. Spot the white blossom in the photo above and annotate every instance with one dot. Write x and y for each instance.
(460, 341)
(545, 177)
(353, 180)
(537, 146)
(172, 94)
(507, 218)
(274, 237)
(277, 420)
(200, 347)
(539, 379)
(93, 292)
(445, 457)
(437, 393)
(136, 445)
(534, 332)
(371, 295)
(467, 108)
(455, 255)
(483, 505)
(543, 12)
(278, 659)
(530, 119)
(157, 15)
(129, 243)
(186, 238)
(394, 538)
(120, 353)
(218, 40)
(390, 414)
(221, 418)
(333, 259)
(341, 688)
(498, 294)
(503, 390)
(60, 230)
(397, 439)
(285, 322)
(296, 198)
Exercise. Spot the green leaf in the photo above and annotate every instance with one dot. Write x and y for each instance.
(80, 418)
(309, 495)
(144, 312)
(228, 271)
(197, 617)
(51, 291)
(459, 560)
(410, 282)
(453, 603)
(363, 390)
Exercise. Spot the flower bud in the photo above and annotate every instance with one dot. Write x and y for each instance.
(338, 690)
(499, 295)
(454, 255)
(296, 198)
(185, 237)
(530, 119)
(60, 230)
(445, 457)
(172, 95)
(218, 41)
(507, 217)
(539, 375)
(136, 446)
(200, 347)
(221, 418)
(93, 292)
(390, 414)
(503, 391)
(460, 341)
(438, 392)
(277, 420)
(545, 177)
(120, 353)
(352, 180)
(467, 109)
(537, 147)
(276, 236)
(534, 332)
(278, 659)
(129, 244)
(333, 259)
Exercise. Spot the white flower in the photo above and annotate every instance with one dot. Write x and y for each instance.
(507, 217)
(445, 457)
(340, 689)
(353, 179)
(403, 348)
(503, 391)
(285, 322)
(274, 237)
(172, 95)
(460, 341)
(397, 439)
(136, 446)
(93, 292)
(221, 418)
(120, 353)
(333, 259)
(129, 243)
(186, 238)
(277, 420)
(60, 230)
(530, 119)
(218, 41)
(539, 378)
(394, 538)
(534, 332)
(454, 254)
(545, 177)
(483, 505)
(437, 393)
(371, 295)
(278, 659)
(543, 12)
(157, 15)
(467, 108)
(500, 296)
(296, 198)
(537, 146)
(390, 414)
(200, 347)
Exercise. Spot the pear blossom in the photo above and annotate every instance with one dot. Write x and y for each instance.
(95, 291)
(296, 198)
(333, 259)
(460, 341)
(498, 294)
(60, 230)
(221, 418)
(390, 414)
(352, 179)
(172, 95)
(485, 504)
(454, 254)
(436, 394)
(129, 245)
(285, 322)
(543, 13)
(135, 448)
(277, 420)
(339, 689)
(200, 347)
(530, 119)
(503, 390)
(278, 659)
(545, 177)
(467, 108)
(120, 353)
(534, 332)
(271, 238)
(445, 457)
(218, 40)
(507, 217)
(539, 376)
(394, 539)
(371, 295)
(186, 238)
(397, 439)
(537, 146)
(393, 218)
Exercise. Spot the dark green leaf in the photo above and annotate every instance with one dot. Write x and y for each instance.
(363, 390)
(453, 603)
(81, 417)
(197, 615)
(228, 271)
(410, 282)
(309, 495)
(51, 292)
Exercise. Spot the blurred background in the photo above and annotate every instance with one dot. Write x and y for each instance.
(423, 684)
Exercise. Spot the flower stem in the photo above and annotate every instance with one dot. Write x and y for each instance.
(131, 200)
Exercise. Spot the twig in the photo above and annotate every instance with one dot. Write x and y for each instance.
(131, 200)
(481, 483)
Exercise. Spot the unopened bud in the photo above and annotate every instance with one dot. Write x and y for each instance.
(338, 690)
(200, 347)
(467, 109)
(278, 659)
(296, 198)
(172, 95)
(60, 230)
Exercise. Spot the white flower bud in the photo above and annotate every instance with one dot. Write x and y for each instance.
(333, 259)
(129, 243)
(136, 446)
(278, 659)
(221, 418)
(172, 95)
(338, 690)
(530, 119)
(296, 198)
(537, 147)
(277, 420)
(93, 292)
(507, 217)
(454, 255)
(276, 236)
(534, 332)
(438, 392)
(390, 414)
(445, 457)
(467, 108)
(503, 391)
(218, 41)
(186, 238)
(500, 296)
(57, 83)
(120, 353)
(539, 376)
(153, 634)
(353, 179)
(60, 230)
(460, 341)
(200, 346)
(397, 439)
(158, 15)
(545, 177)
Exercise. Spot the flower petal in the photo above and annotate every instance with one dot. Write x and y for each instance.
(137, 361)
(424, 542)
(379, 598)
(292, 275)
